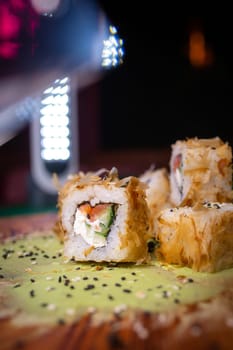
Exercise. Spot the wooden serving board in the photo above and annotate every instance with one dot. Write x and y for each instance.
(136, 320)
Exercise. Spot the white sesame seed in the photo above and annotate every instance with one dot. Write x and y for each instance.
(229, 322)
(70, 311)
(76, 279)
(28, 269)
(140, 294)
(51, 307)
(91, 309)
(141, 331)
(196, 330)
(175, 287)
(120, 308)
(49, 288)
(162, 318)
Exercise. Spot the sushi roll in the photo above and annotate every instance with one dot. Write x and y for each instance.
(200, 169)
(200, 238)
(104, 218)
(157, 192)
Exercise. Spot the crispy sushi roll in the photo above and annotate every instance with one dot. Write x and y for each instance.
(104, 219)
(200, 169)
(157, 192)
(200, 238)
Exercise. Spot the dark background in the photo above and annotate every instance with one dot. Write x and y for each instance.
(157, 95)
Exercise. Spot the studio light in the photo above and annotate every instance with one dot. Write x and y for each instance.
(54, 136)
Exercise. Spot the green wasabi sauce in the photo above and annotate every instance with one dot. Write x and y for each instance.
(36, 281)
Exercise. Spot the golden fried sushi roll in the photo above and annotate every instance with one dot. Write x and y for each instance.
(200, 238)
(200, 169)
(104, 219)
(157, 192)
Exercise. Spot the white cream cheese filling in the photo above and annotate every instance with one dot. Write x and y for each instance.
(178, 178)
(87, 229)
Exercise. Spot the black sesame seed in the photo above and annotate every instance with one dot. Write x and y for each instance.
(44, 304)
(32, 293)
(59, 279)
(33, 259)
(95, 278)
(147, 313)
(54, 257)
(46, 256)
(133, 273)
(61, 322)
(110, 297)
(72, 287)
(176, 301)
(59, 254)
(77, 268)
(69, 295)
(89, 286)
(165, 294)
(1, 276)
(67, 282)
(115, 341)
(190, 280)
(64, 276)
(123, 278)
(29, 254)
(159, 286)
(117, 284)
(10, 251)
(17, 285)
(104, 285)
(127, 291)
(85, 278)
(32, 280)
(19, 344)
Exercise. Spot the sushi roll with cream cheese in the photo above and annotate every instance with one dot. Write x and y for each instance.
(200, 237)
(200, 169)
(157, 192)
(104, 218)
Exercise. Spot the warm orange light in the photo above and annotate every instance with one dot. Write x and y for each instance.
(199, 54)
